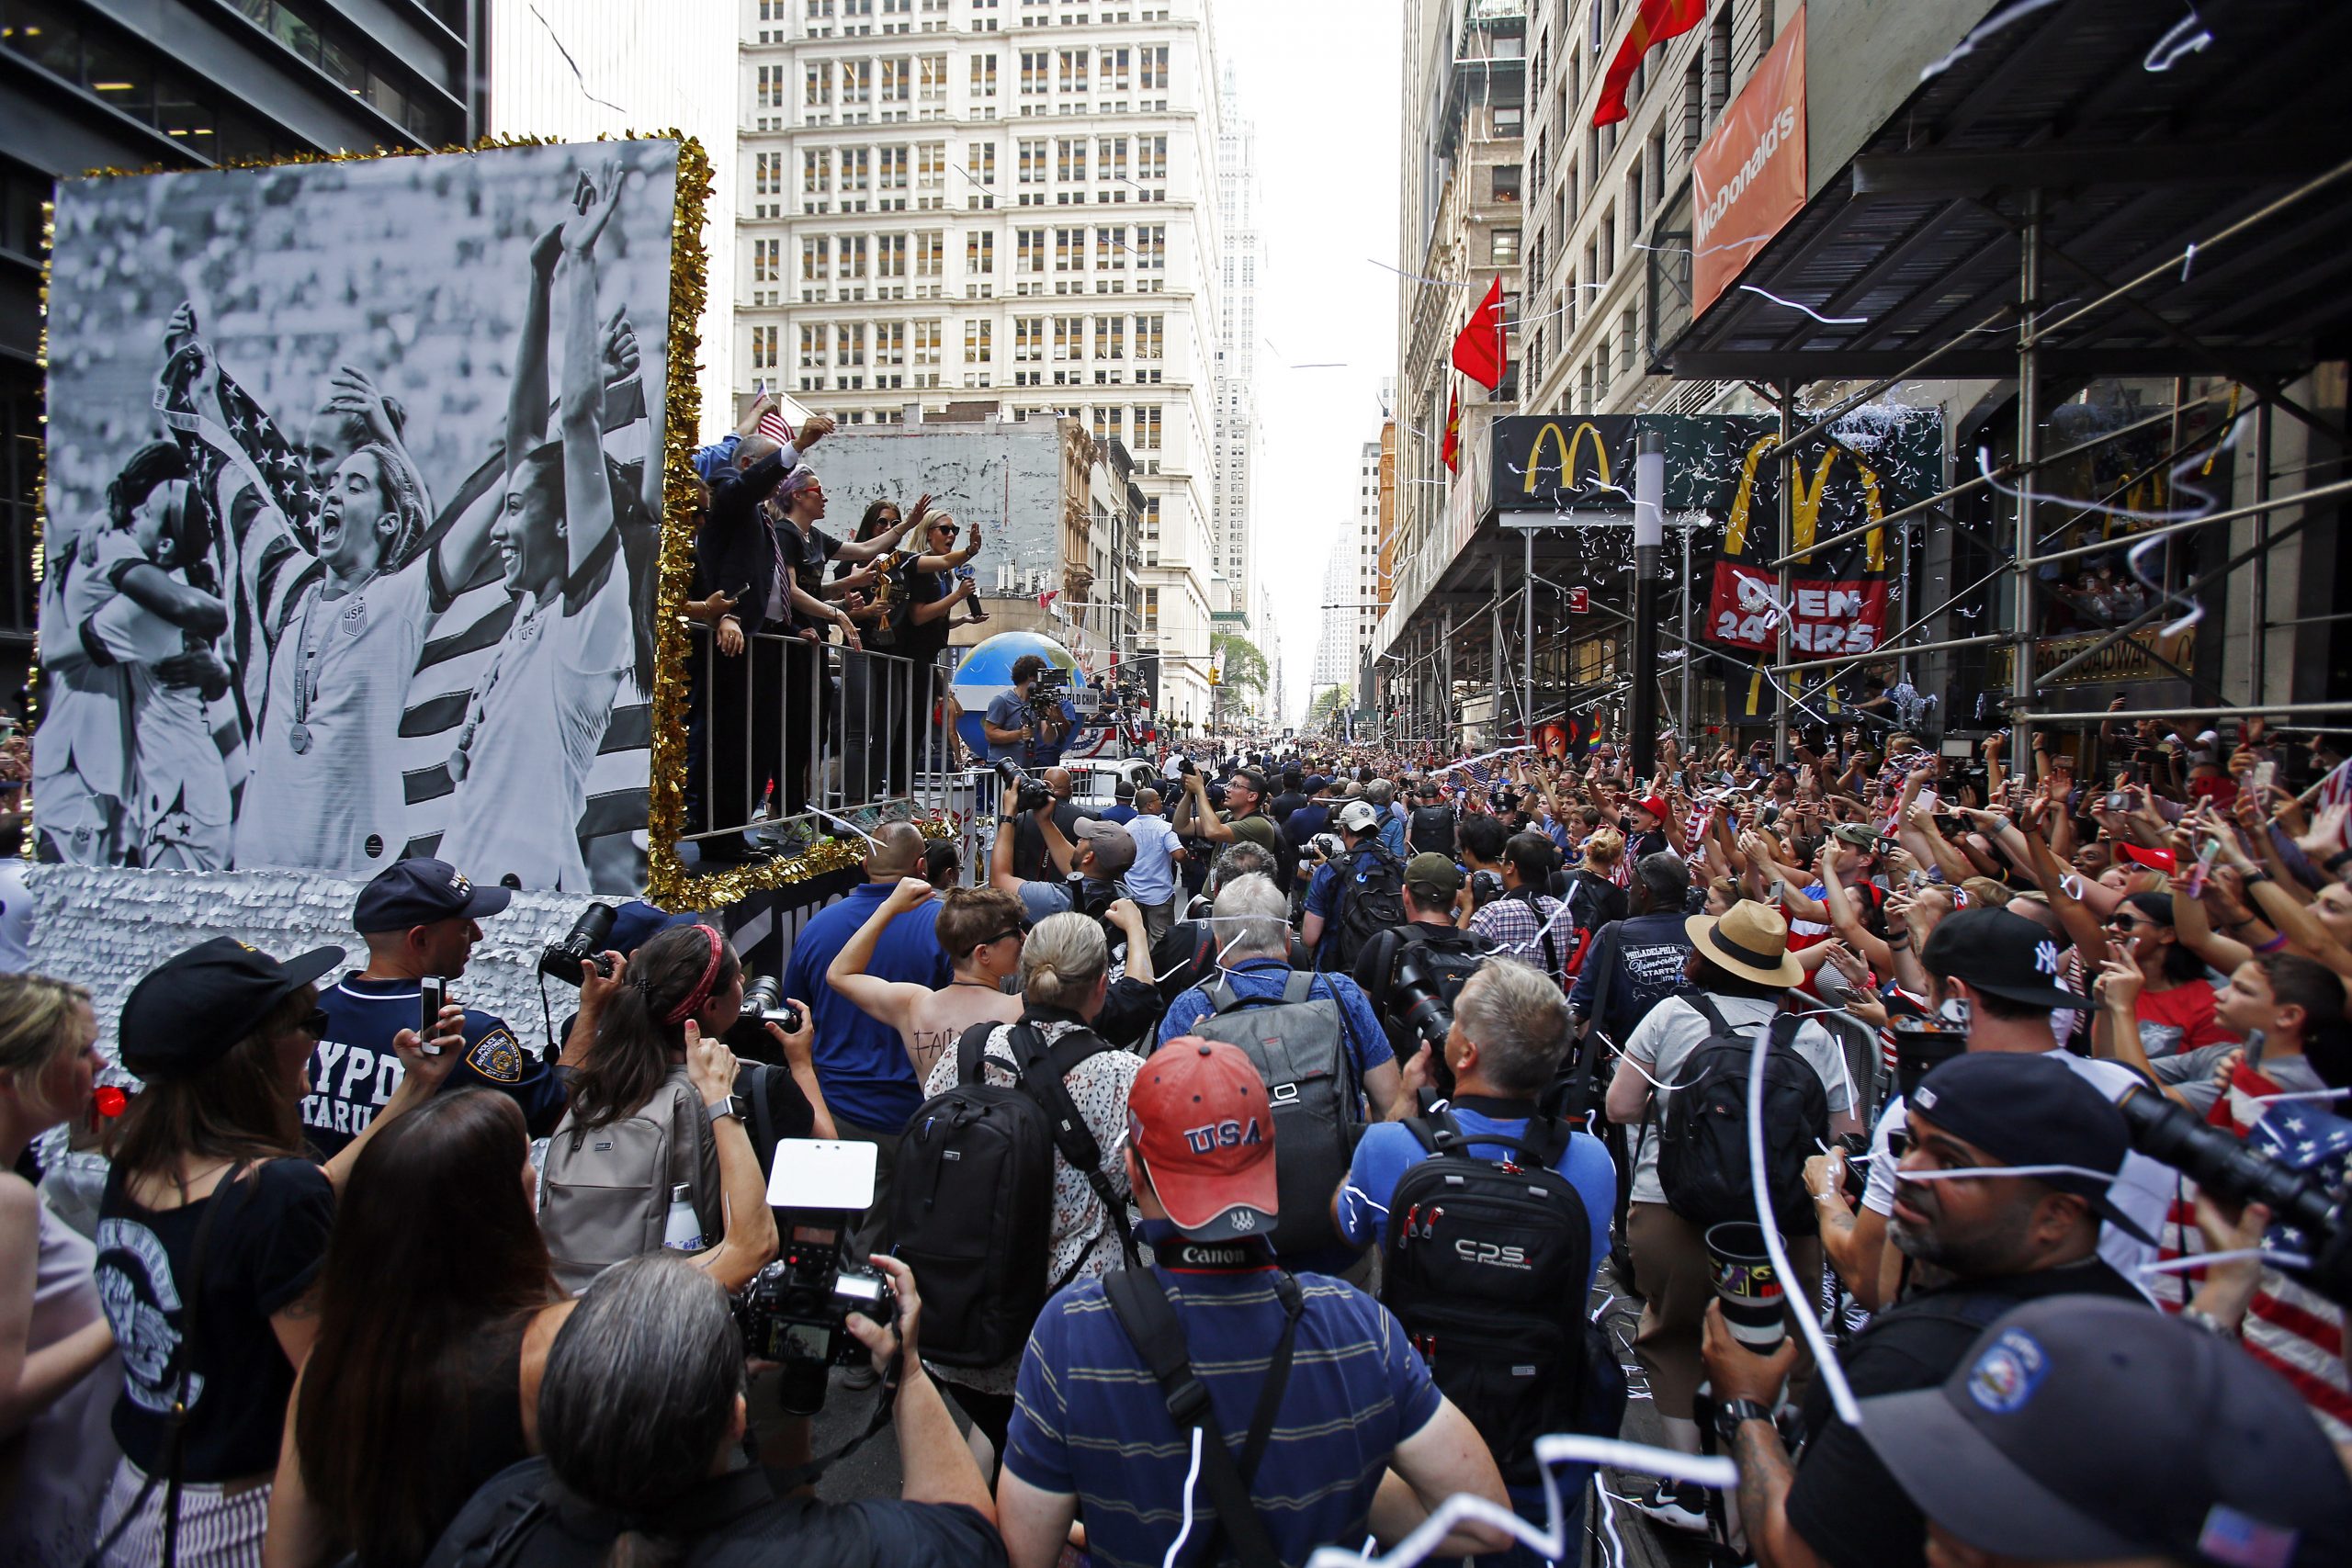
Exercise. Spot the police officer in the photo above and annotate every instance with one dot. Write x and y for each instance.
(418, 918)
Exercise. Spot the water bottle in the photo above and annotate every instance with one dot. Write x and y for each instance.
(683, 1233)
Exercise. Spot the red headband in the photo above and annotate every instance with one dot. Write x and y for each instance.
(691, 1003)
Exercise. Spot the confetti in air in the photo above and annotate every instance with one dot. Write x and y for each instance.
(1791, 304)
(2187, 36)
(1981, 31)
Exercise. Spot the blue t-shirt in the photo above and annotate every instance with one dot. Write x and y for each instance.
(1087, 1420)
(1323, 898)
(1367, 1041)
(1007, 711)
(1389, 1150)
(1121, 814)
(860, 1062)
(1392, 836)
(353, 1069)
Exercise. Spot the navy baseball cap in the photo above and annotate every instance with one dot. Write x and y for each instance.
(190, 1009)
(638, 922)
(2003, 954)
(2027, 1109)
(418, 891)
(2084, 1429)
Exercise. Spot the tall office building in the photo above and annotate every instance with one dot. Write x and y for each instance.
(1335, 648)
(999, 208)
(1236, 383)
(187, 83)
(592, 68)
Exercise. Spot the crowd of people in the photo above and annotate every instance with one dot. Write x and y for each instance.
(1253, 1166)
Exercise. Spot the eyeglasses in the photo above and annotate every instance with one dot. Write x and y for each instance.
(314, 1023)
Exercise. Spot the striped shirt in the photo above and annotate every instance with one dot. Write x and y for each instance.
(1090, 1421)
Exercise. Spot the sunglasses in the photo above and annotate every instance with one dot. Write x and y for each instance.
(314, 1023)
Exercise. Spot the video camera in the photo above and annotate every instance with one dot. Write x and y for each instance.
(568, 957)
(1029, 794)
(795, 1311)
(1047, 691)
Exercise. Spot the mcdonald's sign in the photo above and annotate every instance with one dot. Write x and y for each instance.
(1563, 462)
(1837, 599)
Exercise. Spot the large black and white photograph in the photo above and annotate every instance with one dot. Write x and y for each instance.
(354, 507)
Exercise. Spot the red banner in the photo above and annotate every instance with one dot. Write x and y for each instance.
(1826, 616)
(1749, 178)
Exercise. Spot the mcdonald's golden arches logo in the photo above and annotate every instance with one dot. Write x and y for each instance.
(1569, 447)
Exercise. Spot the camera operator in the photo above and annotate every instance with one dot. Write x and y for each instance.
(1017, 732)
(1432, 883)
(1525, 922)
(2093, 1434)
(1996, 975)
(1242, 817)
(418, 917)
(1990, 1243)
(1090, 867)
(1030, 860)
(643, 1415)
(1340, 878)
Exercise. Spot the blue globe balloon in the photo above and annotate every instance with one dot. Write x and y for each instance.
(986, 675)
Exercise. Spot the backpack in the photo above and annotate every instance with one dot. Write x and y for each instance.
(1485, 1268)
(972, 1196)
(1449, 957)
(605, 1190)
(1299, 1046)
(1703, 1138)
(1286, 861)
(1372, 899)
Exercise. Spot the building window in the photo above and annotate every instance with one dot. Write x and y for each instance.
(1111, 250)
(763, 348)
(1029, 257)
(1073, 70)
(1035, 65)
(1153, 61)
(767, 261)
(1503, 181)
(816, 258)
(1506, 247)
(812, 347)
(817, 172)
(1029, 339)
(980, 255)
(768, 175)
(850, 251)
(1070, 160)
(1110, 337)
(1147, 336)
(1147, 430)
(849, 345)
(926, 336)
(931, 255)
(1114, 70)
(984, 75)
(975, 342)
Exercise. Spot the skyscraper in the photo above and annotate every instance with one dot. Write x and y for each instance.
(1237, 385)
(998, 208)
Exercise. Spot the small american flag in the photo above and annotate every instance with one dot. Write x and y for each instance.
(772, 426)
(2337, 788)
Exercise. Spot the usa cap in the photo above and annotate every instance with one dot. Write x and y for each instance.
(1201, 1123)
(2087, 1430)
(419, 891)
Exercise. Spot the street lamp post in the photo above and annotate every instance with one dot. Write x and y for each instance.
(1649, 542)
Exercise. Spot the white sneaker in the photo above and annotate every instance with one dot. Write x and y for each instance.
(1677, 1505)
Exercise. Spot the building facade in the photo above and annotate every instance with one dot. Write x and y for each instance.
(615, 68)
(999, 207)
(187, 83)
(1230, 515)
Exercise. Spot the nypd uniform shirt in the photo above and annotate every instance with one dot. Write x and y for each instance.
(353, 1069)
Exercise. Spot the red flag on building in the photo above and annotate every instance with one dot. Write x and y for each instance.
(1660, 20)
(1453, 450)
(1478, 348)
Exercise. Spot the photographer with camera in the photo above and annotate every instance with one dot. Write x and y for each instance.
(1243, 818)
(1356, 894)
(419, 918)
(643, 1413)
(670, 1161)
(1985, 1242)
(1021, 723)
(1090, 868)
(1030, 859)
(1527, 922)
(1083, 1232)
(1447, 953)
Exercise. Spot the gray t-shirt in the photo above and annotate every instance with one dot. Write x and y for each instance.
(1664, 1039)
(1007, 711)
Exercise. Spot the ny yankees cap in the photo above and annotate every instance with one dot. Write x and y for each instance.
(2087, 1430)
(419, 891)
(2001, 955)
(1198, 1116)
(190, 1009)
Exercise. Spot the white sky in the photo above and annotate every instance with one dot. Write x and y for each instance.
(1321, 79)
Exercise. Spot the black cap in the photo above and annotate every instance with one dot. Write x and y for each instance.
(2001, 955)
(2084, 1429)
(418, 891)
(2032, 1109)
(192, 1007)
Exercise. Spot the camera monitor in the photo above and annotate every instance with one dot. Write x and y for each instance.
(822, 1173)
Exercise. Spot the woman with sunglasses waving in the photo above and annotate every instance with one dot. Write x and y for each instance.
(211, 1234)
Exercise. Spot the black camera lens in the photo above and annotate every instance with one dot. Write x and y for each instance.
(801, 1386)
(566, 959)
(2172, 1134)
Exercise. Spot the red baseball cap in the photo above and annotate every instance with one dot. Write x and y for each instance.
(1655, 805)
(2155, 860)
(1200, 1121)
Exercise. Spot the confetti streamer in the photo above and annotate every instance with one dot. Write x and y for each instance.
(1980, 33)
(1791, 304)
(1417, 277)
(2187, 36)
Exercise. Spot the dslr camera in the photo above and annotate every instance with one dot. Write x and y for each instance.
(1326, 847)
(763, 1002)
(1486, 887)
(568, 957)
(1417, 1000)
(1028, 793)
(795, 1311)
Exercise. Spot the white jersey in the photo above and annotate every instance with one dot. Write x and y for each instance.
(84, 717)
(539, 719)
(326, 792)
(179, 794)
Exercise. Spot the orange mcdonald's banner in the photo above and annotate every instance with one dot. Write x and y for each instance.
(1749, 178)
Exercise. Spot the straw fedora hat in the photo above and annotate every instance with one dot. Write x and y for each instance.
(1750, 940)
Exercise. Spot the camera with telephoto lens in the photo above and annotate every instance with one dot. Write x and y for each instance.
(1028, 793)
(1418, 1002)
(584, 944)
(795, 1311)
(1486, 887)
(763, 1001)
(2236, 1172)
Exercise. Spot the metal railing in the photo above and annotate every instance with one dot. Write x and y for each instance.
(788, 732)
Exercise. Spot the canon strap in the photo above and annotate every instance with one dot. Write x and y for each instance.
(1149, 1320)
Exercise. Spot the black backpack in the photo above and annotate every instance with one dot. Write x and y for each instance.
(972, 1199)
(1299, 1045)
(1372, 899)
(1429, 829)
(1703, 1138)
(1485, 1268)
